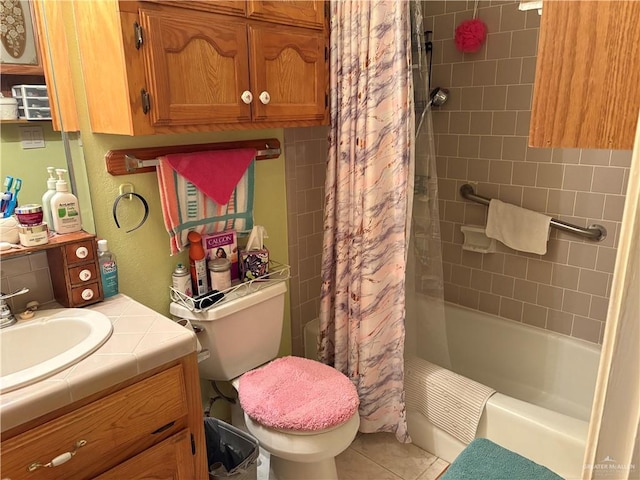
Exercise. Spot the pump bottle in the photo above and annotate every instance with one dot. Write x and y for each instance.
(46, 198)
(65, 211)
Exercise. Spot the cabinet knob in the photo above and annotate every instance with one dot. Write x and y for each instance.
(265, 97)
(85, 274)
(82, 252)
(247, 97)
(87, 294)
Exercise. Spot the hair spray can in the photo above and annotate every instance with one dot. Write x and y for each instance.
(181, 280)
(197, 264)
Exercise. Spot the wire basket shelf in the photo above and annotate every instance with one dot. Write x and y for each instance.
(278, 272)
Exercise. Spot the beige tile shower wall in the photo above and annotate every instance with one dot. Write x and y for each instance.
(305, 154)
(481, 138)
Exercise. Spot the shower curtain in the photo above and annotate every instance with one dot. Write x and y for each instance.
(367, 202)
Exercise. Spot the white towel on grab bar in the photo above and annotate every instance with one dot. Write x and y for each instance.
(518, 228)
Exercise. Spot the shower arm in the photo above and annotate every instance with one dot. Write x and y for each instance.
(593, 232)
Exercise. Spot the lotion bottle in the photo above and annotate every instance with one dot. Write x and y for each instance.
(46, 198)
(65, 211)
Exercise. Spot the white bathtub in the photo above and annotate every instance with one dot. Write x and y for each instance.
(544, 383)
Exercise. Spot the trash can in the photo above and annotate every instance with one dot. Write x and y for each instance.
(230, 451)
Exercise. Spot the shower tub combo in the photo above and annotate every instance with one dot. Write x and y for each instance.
(544, 386)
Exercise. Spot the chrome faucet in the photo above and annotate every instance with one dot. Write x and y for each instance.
(7, 318)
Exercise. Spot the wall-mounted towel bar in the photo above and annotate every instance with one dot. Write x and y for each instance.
(593, 232)
(141, 160)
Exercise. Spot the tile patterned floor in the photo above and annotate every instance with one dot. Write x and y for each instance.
(379, 456)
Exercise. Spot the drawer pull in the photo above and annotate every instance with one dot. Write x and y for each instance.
(60, 459)
(163, 428)
(85, 274)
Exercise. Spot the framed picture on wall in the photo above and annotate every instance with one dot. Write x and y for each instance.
(19, 48)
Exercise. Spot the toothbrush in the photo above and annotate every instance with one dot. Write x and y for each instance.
(6, 197)
(13, 203)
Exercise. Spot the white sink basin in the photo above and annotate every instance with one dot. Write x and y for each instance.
(56, 339)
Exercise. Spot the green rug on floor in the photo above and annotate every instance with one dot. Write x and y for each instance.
(484, 460)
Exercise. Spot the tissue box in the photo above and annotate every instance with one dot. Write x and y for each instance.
(222, 244)
(253, 264)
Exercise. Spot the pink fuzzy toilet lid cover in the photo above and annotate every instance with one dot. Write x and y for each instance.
(294, 393)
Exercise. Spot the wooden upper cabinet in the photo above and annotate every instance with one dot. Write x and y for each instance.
(21, 45)
(587, 92)
(64, 111)
(288, 73)
(290, 12)
(152, 67)
(197, 67)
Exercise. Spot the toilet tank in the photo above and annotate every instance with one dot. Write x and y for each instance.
(240, 334)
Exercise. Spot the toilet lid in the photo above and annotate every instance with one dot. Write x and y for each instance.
(294, 393)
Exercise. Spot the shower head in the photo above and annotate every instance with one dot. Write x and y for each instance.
(438, 96)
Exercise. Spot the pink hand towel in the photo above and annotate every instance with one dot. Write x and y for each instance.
(216, 172)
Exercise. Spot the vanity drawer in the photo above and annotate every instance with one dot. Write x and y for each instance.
(84, 294)
(80, 252)
(83, 274)
(115, 428)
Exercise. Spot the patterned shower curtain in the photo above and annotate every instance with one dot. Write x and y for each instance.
(367, 194)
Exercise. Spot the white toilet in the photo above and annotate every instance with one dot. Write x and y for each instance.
(243, 334)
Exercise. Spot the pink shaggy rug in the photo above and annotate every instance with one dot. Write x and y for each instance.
(293, 393)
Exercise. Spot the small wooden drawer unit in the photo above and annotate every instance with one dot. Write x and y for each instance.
(75, 274)
(108, 432)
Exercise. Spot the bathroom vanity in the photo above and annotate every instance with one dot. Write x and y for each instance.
(132, 407)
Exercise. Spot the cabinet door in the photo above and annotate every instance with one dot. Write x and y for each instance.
(288, 64)
(20, 52)
(587, 75)
(196, 67)
(171, 459)
(290, 12)
(110, 430)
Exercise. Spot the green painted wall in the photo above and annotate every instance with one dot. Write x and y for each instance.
(30, 164)
(144, 262)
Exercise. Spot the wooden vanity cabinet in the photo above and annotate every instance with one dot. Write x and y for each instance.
(586, 92)
(150, 425)
(154, 67)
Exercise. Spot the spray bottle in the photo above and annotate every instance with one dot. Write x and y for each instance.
(198, 263)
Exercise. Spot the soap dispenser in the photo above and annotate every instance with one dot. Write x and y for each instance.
(46, 198)
(65, 211)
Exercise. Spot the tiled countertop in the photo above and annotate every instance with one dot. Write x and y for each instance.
(142, 339)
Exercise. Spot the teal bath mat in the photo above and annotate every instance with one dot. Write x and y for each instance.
(483, 460)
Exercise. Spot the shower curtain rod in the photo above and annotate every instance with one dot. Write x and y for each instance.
(593, 232)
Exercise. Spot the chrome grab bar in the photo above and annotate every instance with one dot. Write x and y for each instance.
(593, 232)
